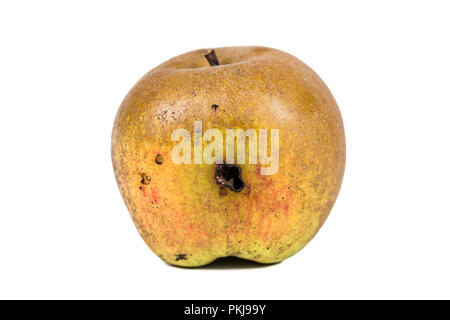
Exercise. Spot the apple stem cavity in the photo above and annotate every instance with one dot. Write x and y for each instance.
(212, 58)
(229, 176)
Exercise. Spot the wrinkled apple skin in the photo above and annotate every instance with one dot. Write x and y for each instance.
(183, 215)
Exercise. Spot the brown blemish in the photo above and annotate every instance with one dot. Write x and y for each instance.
(162, 116)
(214, 107)
(229, 176)
(145, 178)
(159, 159)
(180, 256)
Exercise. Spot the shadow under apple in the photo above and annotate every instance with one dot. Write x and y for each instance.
(229, 263)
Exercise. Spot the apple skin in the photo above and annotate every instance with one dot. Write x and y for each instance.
(179, 210)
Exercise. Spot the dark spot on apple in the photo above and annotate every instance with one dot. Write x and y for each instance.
(181, 256)
(159, 159)
(229, 176)
(214, 107)
(145, 178)
(140, 187)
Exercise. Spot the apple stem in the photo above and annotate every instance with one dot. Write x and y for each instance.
(212, 58)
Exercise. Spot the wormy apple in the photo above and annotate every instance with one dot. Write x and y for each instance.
(193, 201)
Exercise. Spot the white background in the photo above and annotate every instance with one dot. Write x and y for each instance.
(65, 68)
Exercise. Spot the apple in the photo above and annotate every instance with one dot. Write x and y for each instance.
(236, 151)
